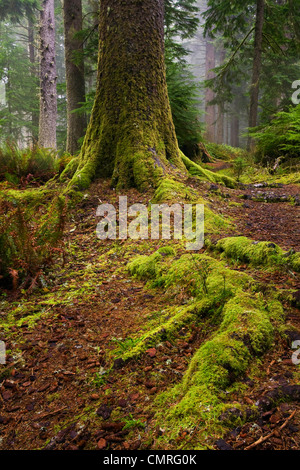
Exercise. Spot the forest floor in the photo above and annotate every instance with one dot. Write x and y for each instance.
(62, 387)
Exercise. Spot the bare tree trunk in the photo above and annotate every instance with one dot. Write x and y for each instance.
(257, 62)
(210, 116)
(131, 136)
(235, 131)
(220, 125)
(74, 74)
(33, 72)
(48, 77)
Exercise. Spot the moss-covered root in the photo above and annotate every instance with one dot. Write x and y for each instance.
(196, 170)
(205, 282)
(245, 250)
(70, 170)
(247, 331)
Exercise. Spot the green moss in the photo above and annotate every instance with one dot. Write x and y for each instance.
(199, 275)
(28, 196)
(175, 319)
(207, 175)
(171, 190)
(245, 250)
(84, 175)
(146, 267)
(205, 282)
(295, 262)
(70, 170)
(246, 331)
(247, 323)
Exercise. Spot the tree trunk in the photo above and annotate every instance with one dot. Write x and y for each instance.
(210, 116)
(76, 122)
(257, 62)
(235, 131)
(48, 96)
(34, 75)
(131, 135)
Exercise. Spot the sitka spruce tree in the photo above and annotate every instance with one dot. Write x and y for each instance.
(131, 136)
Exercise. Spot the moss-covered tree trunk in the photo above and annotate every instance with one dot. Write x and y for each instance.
(131, 136)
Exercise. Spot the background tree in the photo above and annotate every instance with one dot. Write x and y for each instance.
(75, 79)
(48, 77)
(257, 63)
(19, 108)
(261, 41)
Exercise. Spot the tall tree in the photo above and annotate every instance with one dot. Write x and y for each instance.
(131, 135)
(210, 117)
(262, 41)
(257, 63)
(33, 73)
(75, 81)
(48, 77)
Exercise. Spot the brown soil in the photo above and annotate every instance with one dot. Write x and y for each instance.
(54, 397)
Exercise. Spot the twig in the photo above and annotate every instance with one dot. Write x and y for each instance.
(263, 439)
(46, 415)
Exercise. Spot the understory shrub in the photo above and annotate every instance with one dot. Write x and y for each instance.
(279, 138)
(29, 166)
(30, 235)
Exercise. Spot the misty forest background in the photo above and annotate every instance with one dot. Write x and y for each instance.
(211, 54)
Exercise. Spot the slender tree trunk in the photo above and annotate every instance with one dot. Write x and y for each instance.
(235, 131)
(33, 72)
(76, 122)
(131, 135)
(48, 95)
(220, 120)
(257, 62)
(210, 116)
(220, 125)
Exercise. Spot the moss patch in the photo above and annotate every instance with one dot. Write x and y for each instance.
(196, 170)
(246, 331)
(245, 250)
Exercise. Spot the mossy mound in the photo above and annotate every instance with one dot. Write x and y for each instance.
(196, 275)
(245, 250)
(170, 190)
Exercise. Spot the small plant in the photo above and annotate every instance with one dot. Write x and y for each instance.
(132, 423)
(126, 344)
(239, 167)
(99, 380)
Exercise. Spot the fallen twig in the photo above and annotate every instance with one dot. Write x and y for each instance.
(265, 438)
(46, 415)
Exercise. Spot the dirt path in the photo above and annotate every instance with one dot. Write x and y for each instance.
(55, 392)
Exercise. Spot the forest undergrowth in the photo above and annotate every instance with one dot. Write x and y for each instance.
(139, 344)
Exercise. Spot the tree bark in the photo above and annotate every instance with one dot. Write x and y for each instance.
(76, 122)
(131, 135)
(235, 131)
(48, 78)
(210, 111)
(34, 75)
(257, 63)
